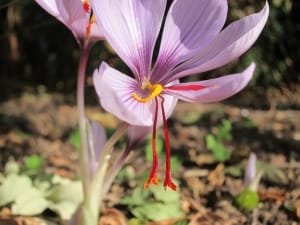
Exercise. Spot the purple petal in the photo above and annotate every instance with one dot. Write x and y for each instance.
(250, 172)
(189, 27)
(212, 90)
(97, 140)
(51, 7)
(231, 43)
(72, 15)
(131, 28)
(137, 134)
(114, 90)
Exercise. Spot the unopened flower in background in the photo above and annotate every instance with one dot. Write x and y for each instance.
(192, 42)
(77, 16)
(248, 199)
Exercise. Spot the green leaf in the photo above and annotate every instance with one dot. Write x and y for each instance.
(65, 196)
(66, 190)
(34, 163)
(138, 197)
(235, 171)
(219, 151)
(31, 202)
(224, 131)
(136, 221)
(74, 139)
(163, 195)
(65, 209)
(247, 200)
(13, 186)
(159, 147)
(12, 167)
(211, 141)
(273, 173)
(247, 122)
(176, 163)
(182, 222)
(157, 211)
(190, 118)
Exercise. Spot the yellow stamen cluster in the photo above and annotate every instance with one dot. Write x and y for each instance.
(153, 89)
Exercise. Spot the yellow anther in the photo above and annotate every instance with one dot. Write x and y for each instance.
(154, 91)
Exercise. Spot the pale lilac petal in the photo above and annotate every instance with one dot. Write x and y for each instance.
(96, 32)
(231, 43)
(99, 138)
(131, 28)
(96, 142)
(215, 89)
(114, 90)
(137, 134)
(51, 7)
(250, 172)
(190, 26)
(72, 15)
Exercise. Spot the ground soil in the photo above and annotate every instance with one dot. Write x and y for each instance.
(41, 124)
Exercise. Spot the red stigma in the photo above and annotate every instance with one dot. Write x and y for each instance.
(88, 29)
(153, 177)
(86, 7)
(191, 87)
(168, 179)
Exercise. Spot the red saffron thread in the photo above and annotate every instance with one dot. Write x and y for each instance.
(88, 29)
(86, 6)
(153, 177)
(168, 179)
(191, 87)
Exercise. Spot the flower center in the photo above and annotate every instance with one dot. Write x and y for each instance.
(152, 91)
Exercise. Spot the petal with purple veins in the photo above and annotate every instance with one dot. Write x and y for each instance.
(212, 90)
(131, 28)
(231, 43)
(190, 26)
(115, 90)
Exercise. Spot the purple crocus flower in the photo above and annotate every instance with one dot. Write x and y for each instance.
(250, 172)
(192, 42)
(76, 15)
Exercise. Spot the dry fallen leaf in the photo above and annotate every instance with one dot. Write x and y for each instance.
(113, 217)
(279, 196)
(216, 178)
(206, 219)
(164, 222)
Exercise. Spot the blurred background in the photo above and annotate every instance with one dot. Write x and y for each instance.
(211, 143)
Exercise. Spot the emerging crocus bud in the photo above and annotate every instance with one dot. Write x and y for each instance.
(248, 199)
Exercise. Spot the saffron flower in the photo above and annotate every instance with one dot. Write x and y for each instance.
(192, 42)
(76, 15)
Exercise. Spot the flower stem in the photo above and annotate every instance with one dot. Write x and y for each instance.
(81, 115)
(95, 194)
(117, 166)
